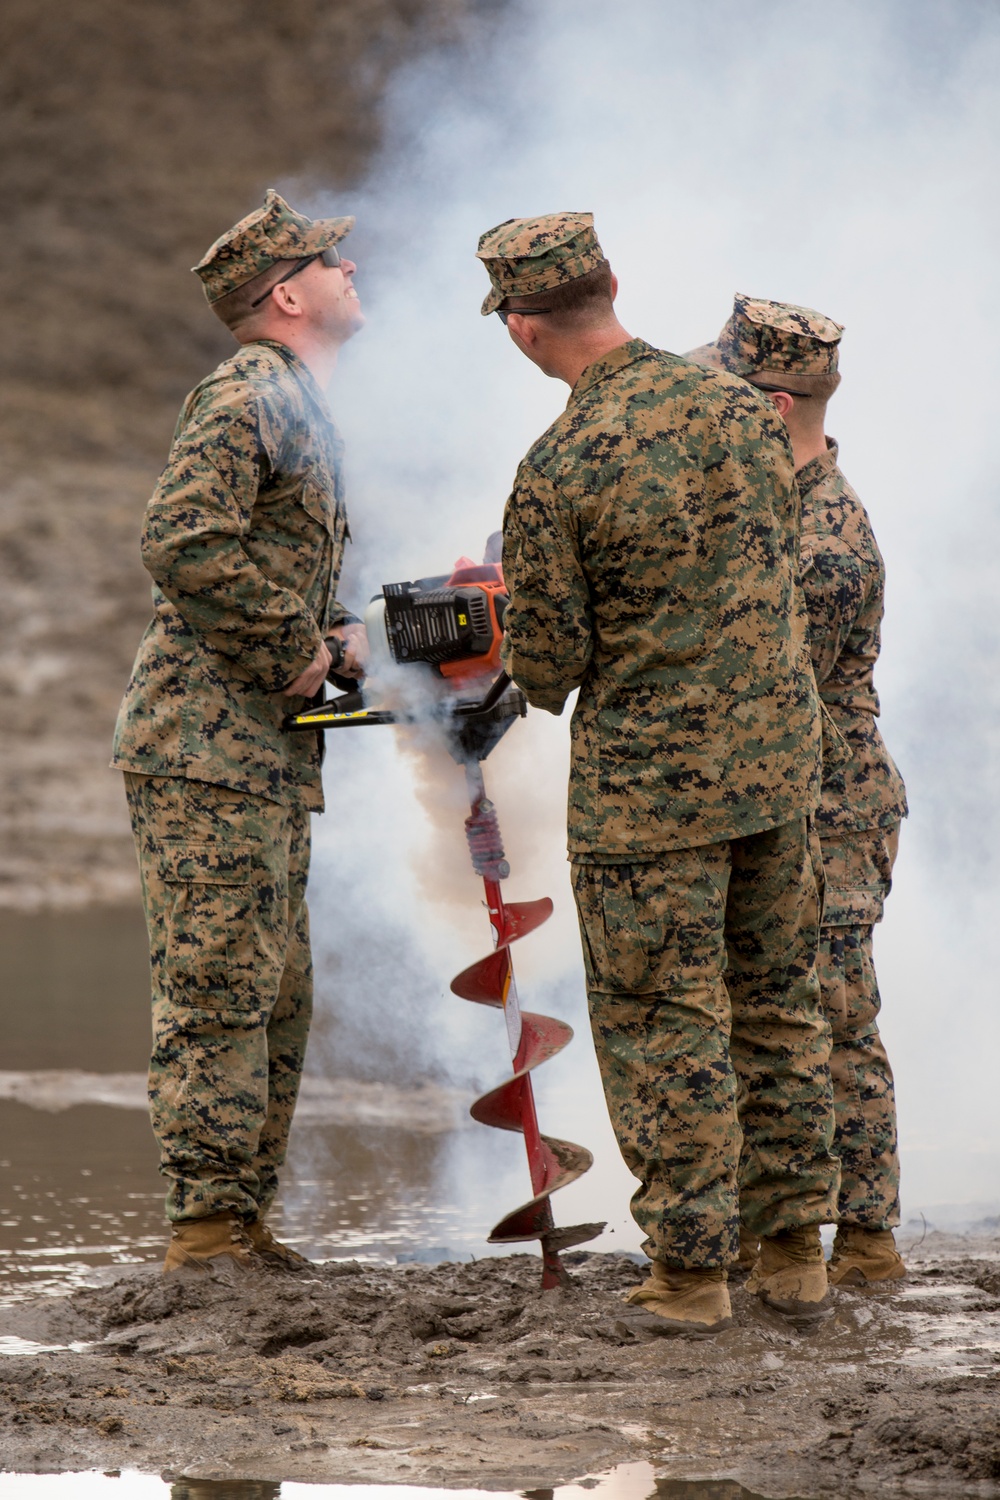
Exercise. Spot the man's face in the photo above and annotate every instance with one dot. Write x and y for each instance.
(330, 300)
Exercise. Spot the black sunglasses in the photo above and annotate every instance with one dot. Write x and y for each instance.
(330, 257)
(799, 395)
(525, 312)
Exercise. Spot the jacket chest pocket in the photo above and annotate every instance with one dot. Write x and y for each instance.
(325, 508)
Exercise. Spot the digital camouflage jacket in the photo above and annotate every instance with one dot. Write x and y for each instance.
(651, 551)
(244, 538)
(844, 581)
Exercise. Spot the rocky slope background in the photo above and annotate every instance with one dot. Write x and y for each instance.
(133, 135)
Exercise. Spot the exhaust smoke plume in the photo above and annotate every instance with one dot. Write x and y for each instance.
(843, 157)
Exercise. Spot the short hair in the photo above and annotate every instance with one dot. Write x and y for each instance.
(235, 307)
(581, 300)
(809, 411)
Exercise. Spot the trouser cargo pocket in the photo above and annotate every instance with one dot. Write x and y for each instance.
(613, 948)
(858, 870)
(207, 893)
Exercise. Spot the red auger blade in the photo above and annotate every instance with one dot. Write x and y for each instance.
(533, 1039)
(567, 1163)
(522, 917)
(485, 982)
(542, 1037)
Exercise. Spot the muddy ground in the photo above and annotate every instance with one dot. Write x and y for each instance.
(461, 1375)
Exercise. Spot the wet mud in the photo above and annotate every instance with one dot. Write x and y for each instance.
(469, 1375)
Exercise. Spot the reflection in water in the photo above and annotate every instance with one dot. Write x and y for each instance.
(225, 1489)
(702, 1489)
(78, 984)
(607, 1487)
(636, 1482)
(633, 1481)
(78, 1190)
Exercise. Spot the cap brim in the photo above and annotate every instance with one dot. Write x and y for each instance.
(795, 383)
(492, 302)
(328, 232)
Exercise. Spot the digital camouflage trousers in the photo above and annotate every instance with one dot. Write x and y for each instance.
(223, 885)
(702, 987)
(858, 870)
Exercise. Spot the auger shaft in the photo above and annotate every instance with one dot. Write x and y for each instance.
(488, 860)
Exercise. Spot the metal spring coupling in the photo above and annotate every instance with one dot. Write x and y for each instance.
(482, 829)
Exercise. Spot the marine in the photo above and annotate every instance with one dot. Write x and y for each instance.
(244, 540)
(792, 353)
(651, 550)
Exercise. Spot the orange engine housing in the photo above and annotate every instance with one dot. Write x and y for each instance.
(487, 577)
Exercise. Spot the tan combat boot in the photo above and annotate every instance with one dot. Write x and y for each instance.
(790, 1275)
(691, 1302)
(748, 1257)
(263, 1243)
(196, 1243)
(864, 1255)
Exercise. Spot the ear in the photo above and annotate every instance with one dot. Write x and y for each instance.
(782, 402)
(523, 331)
(614, 286)
(285, 298)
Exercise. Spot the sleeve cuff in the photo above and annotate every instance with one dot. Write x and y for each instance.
(551, 699)
(341, 616)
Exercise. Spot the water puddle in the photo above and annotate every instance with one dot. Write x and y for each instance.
(82, 1199)
(948, 1329)
(635, 1481)
(12, 1347)
(376, 1170)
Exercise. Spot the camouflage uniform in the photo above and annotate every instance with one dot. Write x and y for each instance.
(651, 551)
(778, 346)
(858, 821)
(244, 539)
(223, 884)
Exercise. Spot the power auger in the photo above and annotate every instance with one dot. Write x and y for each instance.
(449, 629)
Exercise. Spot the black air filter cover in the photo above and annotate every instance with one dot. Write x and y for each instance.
(438, 624)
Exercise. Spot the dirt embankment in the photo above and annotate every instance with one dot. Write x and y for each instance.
(133, 135)
(470, 1375)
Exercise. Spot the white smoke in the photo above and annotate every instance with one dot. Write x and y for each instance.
(837, 155)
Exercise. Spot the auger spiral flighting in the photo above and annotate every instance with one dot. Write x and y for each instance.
(450, 627)
(532, 1038)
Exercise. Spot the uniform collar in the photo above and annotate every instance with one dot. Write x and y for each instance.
(300, 369)
(617, 359)
(816, 469)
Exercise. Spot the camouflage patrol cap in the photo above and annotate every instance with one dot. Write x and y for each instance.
(532, 255)
(777, 346)
(271, 233)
